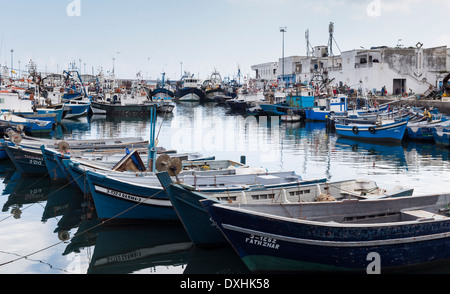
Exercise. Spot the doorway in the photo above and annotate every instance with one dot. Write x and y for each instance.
(399, 86)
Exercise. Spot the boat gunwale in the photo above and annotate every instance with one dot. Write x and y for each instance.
(237, 207)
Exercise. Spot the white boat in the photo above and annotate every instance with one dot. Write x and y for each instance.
(190, 90)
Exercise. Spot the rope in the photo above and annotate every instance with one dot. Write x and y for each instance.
(78, 234)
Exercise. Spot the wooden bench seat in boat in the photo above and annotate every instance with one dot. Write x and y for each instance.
(420, 214)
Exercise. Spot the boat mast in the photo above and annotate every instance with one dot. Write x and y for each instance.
(151, 161)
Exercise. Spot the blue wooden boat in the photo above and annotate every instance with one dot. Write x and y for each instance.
(193, 216)
(126, 195)
(77, 175)
(110, 156)
(3, 154)
(54, 170)
(121, 201)
(77, 168)
(441, 135)
(349, 236)
(423, 131)
(27, 156)
(26, 124)
(27, 161)
(186, 201)
(384, 130)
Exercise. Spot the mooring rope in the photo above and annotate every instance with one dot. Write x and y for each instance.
(83, 232)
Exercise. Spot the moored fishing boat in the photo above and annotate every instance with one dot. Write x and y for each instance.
(295, 101)
(441, 135)
(326, 107)
(387, 130)
(186, 200)
(27, 161)
(401, 233)
(189, 90)
(28, 158)
(133, 197)
(77, 108)
(27, 125)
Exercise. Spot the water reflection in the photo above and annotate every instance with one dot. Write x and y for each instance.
(70, 207)
(393, 153)
(307, 148)
(153, 247)
(24, 191)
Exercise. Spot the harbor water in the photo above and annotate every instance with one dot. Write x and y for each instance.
(50, 229)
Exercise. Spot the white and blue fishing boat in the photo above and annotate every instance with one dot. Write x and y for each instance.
(23, 103)
(191, 163)
(77, 108)
(386, 130)
(189, 89)
(26, 125)
(163, 95)
(326, 107)
(346, 236)
(75, 98)
(296, 101)
(186, 200)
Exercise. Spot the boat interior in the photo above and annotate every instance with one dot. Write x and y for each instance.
(393, 210)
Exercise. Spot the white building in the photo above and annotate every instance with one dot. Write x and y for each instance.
(266, 71)
(396, 69)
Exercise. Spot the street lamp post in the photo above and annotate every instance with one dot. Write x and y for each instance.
(12, 51)
(283, 30)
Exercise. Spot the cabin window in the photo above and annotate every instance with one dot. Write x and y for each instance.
(227, 198)
(2, 100)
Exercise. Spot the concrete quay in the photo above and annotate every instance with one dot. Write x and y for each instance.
(442, 105)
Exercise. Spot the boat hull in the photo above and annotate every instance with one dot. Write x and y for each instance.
(204, 233)
(119, 200)
(27, 162)
(189, 95)
(420, 133)
(55, 172)
(76, 110)
(316, 115)
(78, 175)
(389, 133)
(276, 244)
(117, 109)
(442, 137)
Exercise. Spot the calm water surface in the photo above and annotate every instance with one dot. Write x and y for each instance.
(47, 228)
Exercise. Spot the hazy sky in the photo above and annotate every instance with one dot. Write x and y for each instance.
(203, 35)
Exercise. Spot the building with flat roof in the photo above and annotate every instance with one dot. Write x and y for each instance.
(397, 69)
